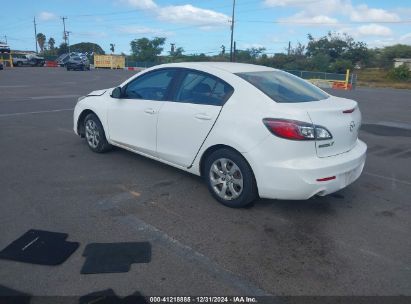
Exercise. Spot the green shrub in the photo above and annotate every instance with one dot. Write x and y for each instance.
(401, 73)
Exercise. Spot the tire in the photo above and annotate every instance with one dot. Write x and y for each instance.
(68, 69)
(94, 134)
(230, 178)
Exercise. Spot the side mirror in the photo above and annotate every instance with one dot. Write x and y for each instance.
(116, 93)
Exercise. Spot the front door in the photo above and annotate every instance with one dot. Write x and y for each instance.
(132, 119)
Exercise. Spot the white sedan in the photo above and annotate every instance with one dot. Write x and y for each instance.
(250, 131)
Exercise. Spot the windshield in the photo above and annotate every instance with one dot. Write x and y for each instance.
(284, 87)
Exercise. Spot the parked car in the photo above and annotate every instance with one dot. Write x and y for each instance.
(62, 59)
(1, 65)
(4, 48)
(78, 63)
(250, 131)
(27, 60)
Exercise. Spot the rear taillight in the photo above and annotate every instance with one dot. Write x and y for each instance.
(296, 130)
(325, 179)
(349, 111)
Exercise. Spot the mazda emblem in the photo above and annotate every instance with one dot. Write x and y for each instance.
(352, 125)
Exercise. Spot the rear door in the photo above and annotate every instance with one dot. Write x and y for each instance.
(184, 123)
(342, 118)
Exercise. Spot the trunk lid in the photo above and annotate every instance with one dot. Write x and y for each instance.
(342, 118)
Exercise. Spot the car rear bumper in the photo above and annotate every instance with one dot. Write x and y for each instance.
(297, 179)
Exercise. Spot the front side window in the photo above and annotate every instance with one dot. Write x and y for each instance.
(200, 88)
(151, 86)
(284, 87)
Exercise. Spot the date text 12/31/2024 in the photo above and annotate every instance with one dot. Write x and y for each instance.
(202, 299)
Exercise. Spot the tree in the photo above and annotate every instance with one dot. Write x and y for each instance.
(386, 55)
(401, 73)
(144, 49)
(178, 52)
(222, 50)
(255, 52)
(63, 49)
(41, 40)
(299, 50)
(338, 47)
(112, 47)
(51, 43)
(87, 47)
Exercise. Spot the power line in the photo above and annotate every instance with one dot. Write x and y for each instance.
(324, 23)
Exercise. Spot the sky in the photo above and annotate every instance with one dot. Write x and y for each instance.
(204, 26)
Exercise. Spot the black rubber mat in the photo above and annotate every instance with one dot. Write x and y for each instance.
(114, 257)
(11, 296)
(40, 247)
(108, 296)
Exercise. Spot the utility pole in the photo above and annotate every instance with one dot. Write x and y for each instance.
(235, 51)
(5, 38)
(64, 27)
(289, 48)
(232, 32)
(35, 33)
(68, 40)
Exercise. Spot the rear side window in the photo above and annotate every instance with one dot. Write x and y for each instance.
(201, 88)
(284, 87)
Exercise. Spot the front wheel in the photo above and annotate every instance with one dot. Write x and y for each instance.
(94, 133)
(230, 179)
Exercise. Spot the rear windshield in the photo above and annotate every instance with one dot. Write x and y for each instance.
(284, 87)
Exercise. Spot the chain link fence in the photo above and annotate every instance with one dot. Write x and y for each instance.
(328, 80)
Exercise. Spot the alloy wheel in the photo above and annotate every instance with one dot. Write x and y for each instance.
(226, 179)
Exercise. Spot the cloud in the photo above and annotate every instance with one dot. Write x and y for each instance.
(332, 8)
(405, 38)
(192, 15)
(141, 4)
(374, 30)
(47, 16)
(303, 18)
(274, 3)
(142, 30)
(312, 7)
(184, 14)
(364, 13)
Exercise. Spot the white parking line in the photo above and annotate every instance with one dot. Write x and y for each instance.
(391, 179)
(36, 112)
(53, 97)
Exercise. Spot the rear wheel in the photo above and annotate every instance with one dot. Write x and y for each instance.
(94, 133)
(229, 178)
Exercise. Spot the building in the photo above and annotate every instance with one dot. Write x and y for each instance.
(400, 61)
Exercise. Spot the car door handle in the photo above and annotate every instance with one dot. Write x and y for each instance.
(202, 116)
(150, 111)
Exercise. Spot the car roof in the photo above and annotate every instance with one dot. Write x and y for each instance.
(231, 67)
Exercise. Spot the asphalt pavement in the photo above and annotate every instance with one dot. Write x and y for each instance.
(354, 242)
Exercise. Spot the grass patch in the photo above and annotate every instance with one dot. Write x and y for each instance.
(379, 78)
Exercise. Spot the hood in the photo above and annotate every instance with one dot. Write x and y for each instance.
(97, 92)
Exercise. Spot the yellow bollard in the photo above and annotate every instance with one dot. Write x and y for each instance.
(347, 77)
